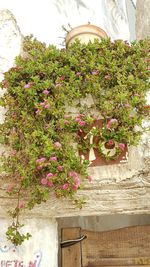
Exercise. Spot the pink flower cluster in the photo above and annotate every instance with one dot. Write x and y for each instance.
(45, 104)
(45, 92)
(79, 119)
(47, 180)
(112, 123)
(66, 121)
(40, 163)
(76, 179)
(62, 78)
(65, 186)
(57, 145)
(122, 146)
(9, 188)
(28, 85)
(53, 158)
(74, 184)
(21, 205)
(40, 160)
(96, 72)
(78, 74)
(60, 168)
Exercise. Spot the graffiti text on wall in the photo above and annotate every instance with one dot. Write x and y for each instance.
(16, 263)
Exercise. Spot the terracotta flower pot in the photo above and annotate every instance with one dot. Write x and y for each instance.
(85, 33)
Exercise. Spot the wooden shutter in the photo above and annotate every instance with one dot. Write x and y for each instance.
(123, 247)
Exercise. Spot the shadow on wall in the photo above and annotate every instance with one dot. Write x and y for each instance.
(60, 4)
(104, 223)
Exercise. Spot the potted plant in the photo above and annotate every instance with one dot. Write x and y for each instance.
(44, 140)
(85, 33)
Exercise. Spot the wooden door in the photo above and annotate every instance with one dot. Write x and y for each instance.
(123, 247)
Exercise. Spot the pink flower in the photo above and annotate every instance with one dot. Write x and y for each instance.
(95, 117)
(44, 181)
(53, 159)
(78, 73)
(37, 111)
(47, 106)
(9, 188)
(90, 178)
(110, 142)
(39, 167)
(65, 186)
(107, 77)
(111, 123)
(75, 187)
(122, 146)
(77, 180)
(62, 78)
(66, 116)
(13, 152)
(28, 85)
(21, 205)
(80, 115)
(95, 72)
(42, 104)
(60, 168)
(40, 160)
(77, 119)
(45, 92)
(73, 174)
(50, 184)
(66, 122)
(57, 145)
(82, 123)
(49, 175)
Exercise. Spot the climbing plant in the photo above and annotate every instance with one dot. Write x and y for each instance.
(43, 136)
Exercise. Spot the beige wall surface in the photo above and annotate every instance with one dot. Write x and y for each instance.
(143, 19)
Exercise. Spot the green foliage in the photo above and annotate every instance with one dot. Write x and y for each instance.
(43, 156)
(15, 236)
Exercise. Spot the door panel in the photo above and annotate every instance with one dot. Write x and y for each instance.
(71, 255)
(123, 247)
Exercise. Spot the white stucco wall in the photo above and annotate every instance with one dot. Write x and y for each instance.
(39, 251)
(44, 19)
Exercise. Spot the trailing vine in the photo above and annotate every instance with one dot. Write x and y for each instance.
(44, 136)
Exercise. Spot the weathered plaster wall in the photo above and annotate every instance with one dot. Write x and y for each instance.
(142, 19)
(116, 189)
(122, 188)
(39, 251)
(10, 44)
